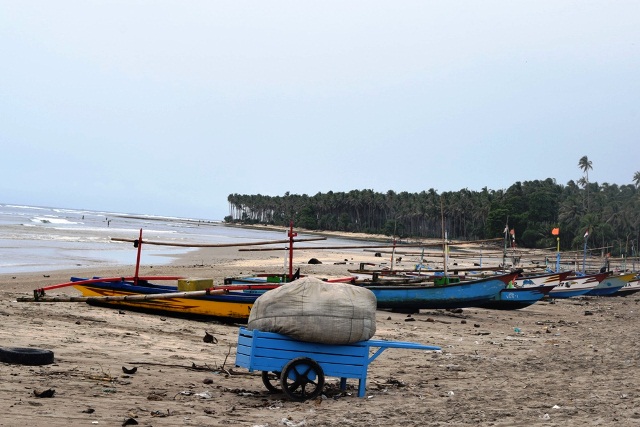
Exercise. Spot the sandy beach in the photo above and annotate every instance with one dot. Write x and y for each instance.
(564, 363)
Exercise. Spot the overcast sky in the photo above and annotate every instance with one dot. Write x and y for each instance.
(167, 107)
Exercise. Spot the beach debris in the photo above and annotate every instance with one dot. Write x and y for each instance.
(588, 313)
(208, 338)
(130, 422)
(290, 423)
(26, 356)
(314, 261)
(409, 318)
(46, 393)
(89, 411)
(129, 371)
(155, 396)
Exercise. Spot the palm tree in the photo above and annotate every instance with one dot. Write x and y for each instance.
(636, 179)
(585, 164)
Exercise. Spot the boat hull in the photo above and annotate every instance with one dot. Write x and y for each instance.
(577, 286)
(231, 307)
(610, 285)
(517, 298)
(456, 295)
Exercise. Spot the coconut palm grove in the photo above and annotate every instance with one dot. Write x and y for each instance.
(605, 214)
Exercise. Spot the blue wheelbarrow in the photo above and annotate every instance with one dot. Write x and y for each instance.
(300, 367)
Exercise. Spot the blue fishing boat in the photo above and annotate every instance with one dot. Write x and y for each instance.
(432, 296)
(610, 285)
(516, 298)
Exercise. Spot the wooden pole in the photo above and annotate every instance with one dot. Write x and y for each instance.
(135, 277)
(132, 297)
(291, 236)
(216, 245)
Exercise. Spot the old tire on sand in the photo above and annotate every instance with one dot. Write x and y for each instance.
(26, 356)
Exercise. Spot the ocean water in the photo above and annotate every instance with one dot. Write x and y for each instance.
(34, 238)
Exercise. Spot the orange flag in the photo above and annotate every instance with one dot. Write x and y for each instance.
(555, 231)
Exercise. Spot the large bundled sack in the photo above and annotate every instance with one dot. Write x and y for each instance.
(309, 309)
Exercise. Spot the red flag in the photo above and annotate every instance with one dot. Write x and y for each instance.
(555, 231)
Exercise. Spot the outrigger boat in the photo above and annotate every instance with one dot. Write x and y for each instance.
(203, 301)
(226, 303)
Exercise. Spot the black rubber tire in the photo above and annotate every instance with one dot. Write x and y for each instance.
(270, 382)
(26, 356)
(298, 374)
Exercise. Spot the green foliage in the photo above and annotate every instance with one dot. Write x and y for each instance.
(531, 208)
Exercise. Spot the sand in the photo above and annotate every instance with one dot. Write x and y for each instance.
(567, 363)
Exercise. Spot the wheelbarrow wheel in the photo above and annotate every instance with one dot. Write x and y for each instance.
(271, 381)
(302, 378)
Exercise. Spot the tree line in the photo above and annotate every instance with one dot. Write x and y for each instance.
(605, 214)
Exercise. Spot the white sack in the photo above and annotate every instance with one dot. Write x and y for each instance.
(309, 309)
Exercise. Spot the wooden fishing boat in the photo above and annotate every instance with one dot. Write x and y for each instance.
(278, 278)
(227, 303)
(431, 296)
(630, 288)
(517, 298)
(535, 280)
(577, 285)
(611, 284)
(526, 290)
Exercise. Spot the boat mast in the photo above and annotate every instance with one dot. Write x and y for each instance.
(291, 235)
(504, 250)
(137, 244)
(444, 241)
(584, 255)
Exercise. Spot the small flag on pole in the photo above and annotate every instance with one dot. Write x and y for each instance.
(555, 231)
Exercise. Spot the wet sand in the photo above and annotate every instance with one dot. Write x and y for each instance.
(567, 363)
